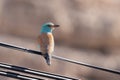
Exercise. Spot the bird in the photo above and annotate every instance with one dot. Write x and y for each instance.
(46, 40)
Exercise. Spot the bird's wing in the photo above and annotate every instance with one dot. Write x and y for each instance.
(39, 40)
(46, 43)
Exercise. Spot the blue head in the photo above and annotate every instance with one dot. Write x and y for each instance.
(48, 27)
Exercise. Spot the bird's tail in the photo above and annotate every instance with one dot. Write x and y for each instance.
(47, 58)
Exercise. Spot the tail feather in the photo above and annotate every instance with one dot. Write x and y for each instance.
(47, 58)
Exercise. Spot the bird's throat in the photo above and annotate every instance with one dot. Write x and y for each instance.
(46, 30)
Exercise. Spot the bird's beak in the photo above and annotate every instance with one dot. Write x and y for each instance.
(56, 25)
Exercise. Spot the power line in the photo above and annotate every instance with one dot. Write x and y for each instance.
(17, 75)
(59, 58)
(19, 48)
(34, 72)
(87, 65)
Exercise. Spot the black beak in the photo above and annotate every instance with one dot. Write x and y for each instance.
(56, 25)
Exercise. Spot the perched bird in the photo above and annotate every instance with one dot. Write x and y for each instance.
(46, 40)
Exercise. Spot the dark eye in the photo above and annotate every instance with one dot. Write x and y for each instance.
(49, 25)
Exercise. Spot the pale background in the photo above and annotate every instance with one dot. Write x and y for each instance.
(89, 32)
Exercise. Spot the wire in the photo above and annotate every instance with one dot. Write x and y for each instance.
(87, 65)
(34, 72)
(19, 48)
(59, 58)
(17, 75)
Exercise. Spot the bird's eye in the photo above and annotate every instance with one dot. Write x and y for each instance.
(49, 25)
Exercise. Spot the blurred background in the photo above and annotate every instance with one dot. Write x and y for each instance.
(89, 32)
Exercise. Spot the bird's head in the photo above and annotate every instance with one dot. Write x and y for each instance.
(48, 27)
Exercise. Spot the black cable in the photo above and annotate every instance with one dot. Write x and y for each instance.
(34, 72)
(17, 75)
(60, 58)
(19, 48)
(87, 65)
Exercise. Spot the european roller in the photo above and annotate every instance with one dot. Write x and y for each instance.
(46, 40)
